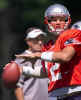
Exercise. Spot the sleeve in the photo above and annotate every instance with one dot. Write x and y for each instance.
(74, 42)
(20, 83)
(18, 61)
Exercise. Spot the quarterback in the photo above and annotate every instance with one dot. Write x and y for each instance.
(62, 61)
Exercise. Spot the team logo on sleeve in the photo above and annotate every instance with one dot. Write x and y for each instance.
(72, 41)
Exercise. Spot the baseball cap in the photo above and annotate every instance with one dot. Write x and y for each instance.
(35, 33)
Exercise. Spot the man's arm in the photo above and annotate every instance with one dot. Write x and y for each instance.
(64, 55)
(19, 93)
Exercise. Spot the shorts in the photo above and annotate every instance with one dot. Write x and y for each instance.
(74, 96)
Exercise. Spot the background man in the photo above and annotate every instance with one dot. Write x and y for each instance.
(32, 88)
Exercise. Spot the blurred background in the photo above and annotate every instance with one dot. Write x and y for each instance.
(15, 17)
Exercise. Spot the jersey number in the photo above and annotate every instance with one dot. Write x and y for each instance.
(55, 76)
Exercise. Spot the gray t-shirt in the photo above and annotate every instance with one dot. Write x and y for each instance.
(33, 88)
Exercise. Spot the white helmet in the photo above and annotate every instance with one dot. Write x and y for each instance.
(76, 25)
(53, 11)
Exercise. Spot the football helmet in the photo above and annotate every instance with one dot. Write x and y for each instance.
(54, 11)
(76, 25)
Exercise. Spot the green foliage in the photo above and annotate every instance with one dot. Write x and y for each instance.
(3, 3)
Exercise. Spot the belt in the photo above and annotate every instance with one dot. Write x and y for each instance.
(68, 95)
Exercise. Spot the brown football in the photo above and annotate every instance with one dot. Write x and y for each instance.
(11, 74)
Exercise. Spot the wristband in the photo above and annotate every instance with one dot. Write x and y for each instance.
(27, 70)
(47, 55)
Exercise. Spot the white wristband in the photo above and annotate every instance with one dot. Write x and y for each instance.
(47, 55)
(27, 70)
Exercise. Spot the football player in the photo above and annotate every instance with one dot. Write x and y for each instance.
(63, 59)
(76, 25)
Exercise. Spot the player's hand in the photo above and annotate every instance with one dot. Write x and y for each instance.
(6, 66)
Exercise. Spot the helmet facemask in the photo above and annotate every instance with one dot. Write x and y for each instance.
(54, 13)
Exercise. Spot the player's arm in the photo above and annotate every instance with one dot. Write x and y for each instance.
(19, 93)
(62, 56)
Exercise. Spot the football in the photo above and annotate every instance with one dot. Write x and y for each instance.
(11, 74)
